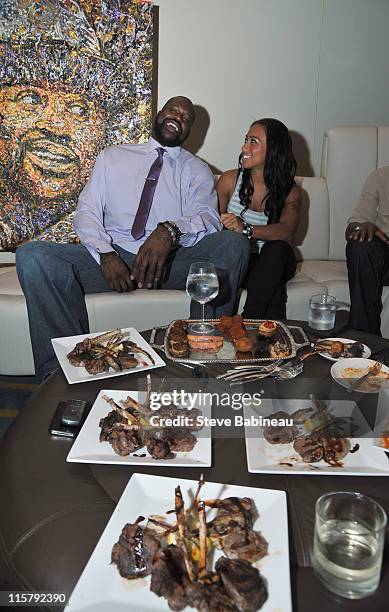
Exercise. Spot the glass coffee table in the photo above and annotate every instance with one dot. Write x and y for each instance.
(52, 513)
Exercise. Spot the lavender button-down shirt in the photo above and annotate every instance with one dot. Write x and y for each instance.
(108, 203)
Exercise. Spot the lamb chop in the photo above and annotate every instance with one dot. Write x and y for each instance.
(242, 543)
(315, 448)
(232, 529)
(231, 511)
(125, 439)
(179, 440)
(133, 554)
(158, 449)
(243, 583)
(107, 423)
(280, 434)
(169, 577)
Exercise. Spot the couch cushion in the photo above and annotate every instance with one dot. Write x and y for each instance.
(142, 308)
(383, 146)
(324, 271)
(312, 235)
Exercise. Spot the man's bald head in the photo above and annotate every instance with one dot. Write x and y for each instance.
(173, 123)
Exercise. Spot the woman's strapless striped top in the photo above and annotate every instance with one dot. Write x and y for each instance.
(250, 216)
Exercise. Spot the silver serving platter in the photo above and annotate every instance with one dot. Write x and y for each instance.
(227, 353)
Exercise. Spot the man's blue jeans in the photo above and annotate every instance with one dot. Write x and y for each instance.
(55, 278)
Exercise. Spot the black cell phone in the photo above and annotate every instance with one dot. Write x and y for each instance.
(68, 418)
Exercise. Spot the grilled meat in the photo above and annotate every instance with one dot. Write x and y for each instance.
(232, 511)
(109, 350)
(169, 578)
(179, 440)
(315, 448)
(125, 439)
(158, 449)
(95, 366)
(242, 543)
(107, 424)
(280, 434)
(133, 554)
(243, 583)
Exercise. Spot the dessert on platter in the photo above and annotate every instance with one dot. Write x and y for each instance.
(234, 340)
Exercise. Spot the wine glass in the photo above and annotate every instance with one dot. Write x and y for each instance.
(202, 285)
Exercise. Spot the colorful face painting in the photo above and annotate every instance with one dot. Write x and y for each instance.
(75, 76)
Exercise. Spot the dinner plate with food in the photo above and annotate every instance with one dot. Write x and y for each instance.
(291, 436)
(126, 428)
(341, 348)
(235, 340)
(104, 355)
(347, 372)
(183, 545)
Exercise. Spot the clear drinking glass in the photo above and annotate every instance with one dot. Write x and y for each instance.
(348, 543)
(202, 285)
(322, 310)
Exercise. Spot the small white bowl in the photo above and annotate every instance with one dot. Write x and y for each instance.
(360, 363)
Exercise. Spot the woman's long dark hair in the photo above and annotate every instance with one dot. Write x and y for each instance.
(278, 172)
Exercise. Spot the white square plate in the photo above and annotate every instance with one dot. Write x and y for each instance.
(63, 346)
(263, 457)
(88, 449)
(101, 589)
(381, 425)
(366, 351)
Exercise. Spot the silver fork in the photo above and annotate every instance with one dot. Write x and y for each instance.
(249, 369)
(280, 373)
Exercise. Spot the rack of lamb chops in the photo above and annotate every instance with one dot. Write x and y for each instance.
(176, 555)
(109, 350)
(128, 429)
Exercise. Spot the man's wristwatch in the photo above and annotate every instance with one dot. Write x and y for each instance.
(247, 230)
(174, 231)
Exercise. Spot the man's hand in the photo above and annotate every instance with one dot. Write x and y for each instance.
(365, 231)
(150, 262)
(232, 222)
(115, 272)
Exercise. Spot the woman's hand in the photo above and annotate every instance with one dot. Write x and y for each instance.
(232, 222)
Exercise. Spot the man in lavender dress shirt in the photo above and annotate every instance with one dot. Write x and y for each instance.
(182, 227)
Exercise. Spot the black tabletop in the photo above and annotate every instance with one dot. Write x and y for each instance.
(44, 495)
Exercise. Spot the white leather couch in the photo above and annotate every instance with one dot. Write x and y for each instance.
(349, 154)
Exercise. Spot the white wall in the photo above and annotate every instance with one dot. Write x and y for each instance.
(311, 63)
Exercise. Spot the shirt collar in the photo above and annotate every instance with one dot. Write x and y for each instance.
(172, 152)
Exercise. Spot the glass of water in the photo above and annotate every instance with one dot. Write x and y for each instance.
(202, 285)
(348, 543)
(322, 310)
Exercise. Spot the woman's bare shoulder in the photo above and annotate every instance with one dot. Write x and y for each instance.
(295, 194)
(227, 180)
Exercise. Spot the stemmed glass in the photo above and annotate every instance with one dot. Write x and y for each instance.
(202, 285)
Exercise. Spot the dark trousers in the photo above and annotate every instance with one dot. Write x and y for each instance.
(267, 275)
(368, 272)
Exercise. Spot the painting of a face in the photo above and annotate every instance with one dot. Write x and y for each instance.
(49, 139)
(74, 78)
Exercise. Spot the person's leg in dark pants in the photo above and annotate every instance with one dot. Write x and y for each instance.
(266, 281)
(229, 252)
(368, 271)
(55, 278)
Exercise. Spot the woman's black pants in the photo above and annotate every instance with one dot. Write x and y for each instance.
(267, 275)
